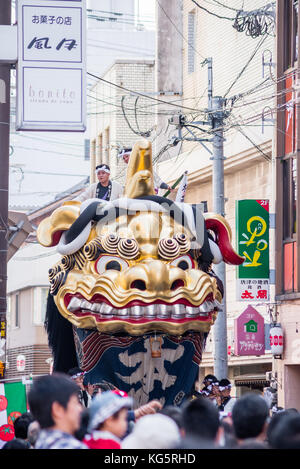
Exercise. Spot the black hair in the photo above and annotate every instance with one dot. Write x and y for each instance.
(21, 425)
(16, 443)
(84, 422)
(46, 390)
(249, 415)
(224, 382)
(286, 434)
(200, 418)
(175, 413)
(211, 378)
(74, 371)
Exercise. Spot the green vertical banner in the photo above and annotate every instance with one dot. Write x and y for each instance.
(252, 235)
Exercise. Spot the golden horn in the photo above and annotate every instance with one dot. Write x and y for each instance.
(139, 178)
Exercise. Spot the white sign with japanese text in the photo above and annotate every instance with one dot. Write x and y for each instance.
(257, 290)
(51, 69)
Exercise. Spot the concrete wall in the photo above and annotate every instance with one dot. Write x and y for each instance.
(108, 114)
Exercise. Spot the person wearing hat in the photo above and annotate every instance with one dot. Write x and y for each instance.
(77, 375)
(227, 402)
(158, 182)
(108, 420)
(104, 189)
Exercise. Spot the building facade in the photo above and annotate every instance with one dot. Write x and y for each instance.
(287, 367)
(239, 76)
(118, 119)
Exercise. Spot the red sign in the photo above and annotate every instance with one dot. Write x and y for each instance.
(249, 333)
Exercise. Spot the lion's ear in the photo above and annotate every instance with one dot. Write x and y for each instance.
(51, 228)
(222, 231)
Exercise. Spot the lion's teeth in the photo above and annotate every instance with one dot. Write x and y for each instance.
(150, 311)
(178, 312)
(218, 306)
(122, 313)
(96, 307)
(163, 311)
(136, 311)
(106, 309)
(74, 304)
(192, 311)
(154, 311)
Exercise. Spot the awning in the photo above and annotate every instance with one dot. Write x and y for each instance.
(251, 380)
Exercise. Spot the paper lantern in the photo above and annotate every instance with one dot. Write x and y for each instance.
(276, 340)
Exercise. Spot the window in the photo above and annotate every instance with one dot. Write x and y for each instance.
(191, 42)
(290, 198)
(291, 33)
(107, 146)
(17, 311)
(290, 224)
(40, 295)
(100, 149)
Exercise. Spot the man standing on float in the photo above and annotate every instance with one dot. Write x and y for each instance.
(104, 189)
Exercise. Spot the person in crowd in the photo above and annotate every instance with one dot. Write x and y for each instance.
(16, 443)
(252, 443)
(155, 431)
(158, 182)
(174, 413)
(53, 402)
(284, 432)
(226, 401)
(108, 421)
(250, 417)
(33, 432)
(77, 375)
(104, 189)
(201, 421)
(207, 382)
(228, 439)
(21, 425)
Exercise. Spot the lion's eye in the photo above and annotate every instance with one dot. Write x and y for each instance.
(183, 262)
(110, 263)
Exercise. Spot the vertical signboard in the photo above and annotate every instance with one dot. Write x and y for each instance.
(249, 333)
(252, 230)
(51, 69)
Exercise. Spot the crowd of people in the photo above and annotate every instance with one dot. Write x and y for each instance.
(65, 414)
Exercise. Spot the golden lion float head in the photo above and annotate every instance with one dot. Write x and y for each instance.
(140, 263)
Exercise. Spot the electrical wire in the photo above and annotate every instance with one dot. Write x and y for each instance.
(257, 47)
(211, 13)
(141, 94)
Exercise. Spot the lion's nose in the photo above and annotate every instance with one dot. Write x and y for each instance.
(155, 276)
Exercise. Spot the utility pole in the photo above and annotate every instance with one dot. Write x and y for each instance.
(215, 120)
(220, 327)
(5, 19)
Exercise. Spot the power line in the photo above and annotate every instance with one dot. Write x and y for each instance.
(141, 94)
(247, 63)
(211, 13)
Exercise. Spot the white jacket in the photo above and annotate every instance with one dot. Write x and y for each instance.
(90, 192)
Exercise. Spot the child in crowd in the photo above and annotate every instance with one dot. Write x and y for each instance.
(108, 420)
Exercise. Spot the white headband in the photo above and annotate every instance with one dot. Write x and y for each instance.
(102, 168)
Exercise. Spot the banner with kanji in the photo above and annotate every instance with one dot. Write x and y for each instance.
(252, 235)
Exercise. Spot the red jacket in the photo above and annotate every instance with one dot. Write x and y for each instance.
(102, 440)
